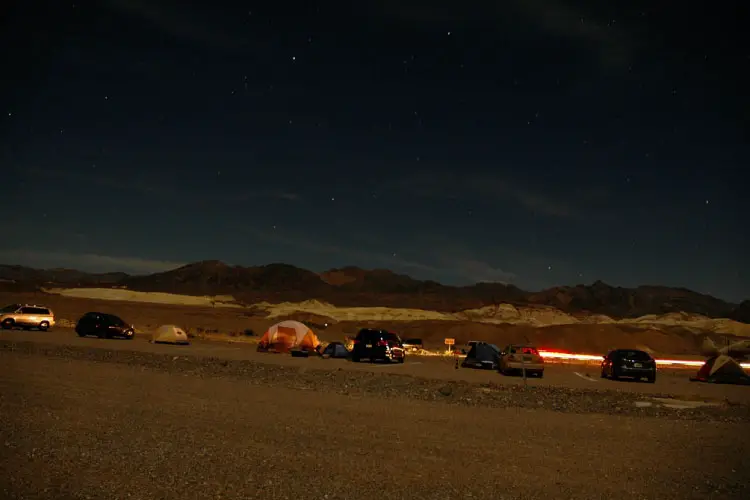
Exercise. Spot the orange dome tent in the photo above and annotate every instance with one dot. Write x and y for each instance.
(287, 335)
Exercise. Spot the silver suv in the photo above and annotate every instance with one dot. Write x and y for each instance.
(26, 316)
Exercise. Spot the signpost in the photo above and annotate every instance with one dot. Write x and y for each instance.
(523, 362)
(450, 343)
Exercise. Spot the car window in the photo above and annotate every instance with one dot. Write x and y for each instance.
(636, 355)
(113, 320)
(27, 310)
(38, 310)
(363, 334)
(391, 337)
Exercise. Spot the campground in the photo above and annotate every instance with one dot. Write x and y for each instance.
(573, 375)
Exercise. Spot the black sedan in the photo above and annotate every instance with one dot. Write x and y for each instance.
(629, 363)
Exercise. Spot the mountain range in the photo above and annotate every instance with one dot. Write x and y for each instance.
(352, 286)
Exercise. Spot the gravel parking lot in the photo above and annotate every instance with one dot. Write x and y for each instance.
(87, 423)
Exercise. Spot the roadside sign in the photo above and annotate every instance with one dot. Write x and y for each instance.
(450, 341)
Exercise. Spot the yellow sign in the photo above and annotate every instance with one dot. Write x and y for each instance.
(450, 341)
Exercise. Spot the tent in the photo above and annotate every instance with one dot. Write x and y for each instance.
(335, 350)
(482, 355)
(722, 370)
(284, 336)
(169, 334)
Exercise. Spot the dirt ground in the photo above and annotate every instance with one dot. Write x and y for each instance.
(586, 338)
(74, 428)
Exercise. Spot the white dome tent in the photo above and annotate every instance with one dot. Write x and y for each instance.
(170, 334)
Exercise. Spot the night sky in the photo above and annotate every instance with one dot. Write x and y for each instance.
(536, 142)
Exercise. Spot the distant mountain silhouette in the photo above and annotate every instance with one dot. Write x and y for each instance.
(352, 286)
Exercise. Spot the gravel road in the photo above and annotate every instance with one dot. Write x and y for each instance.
(92, 423)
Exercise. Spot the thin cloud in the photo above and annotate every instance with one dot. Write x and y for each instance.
(615, 48)
(446, 267)
(179, 22)
(485, 188)
(87, 262)
(162, 187)
(141, 185)
(309, 244)
(610, 42)
(477, 271)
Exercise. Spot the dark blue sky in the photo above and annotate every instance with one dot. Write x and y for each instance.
(538, 142)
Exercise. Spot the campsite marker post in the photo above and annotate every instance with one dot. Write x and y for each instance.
(523, 363)
(450, 343)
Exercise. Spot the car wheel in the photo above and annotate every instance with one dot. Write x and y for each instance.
(401, 360)
(44, 326)
(613, 374)
(355, 359)
(8, 324)
(651, 379)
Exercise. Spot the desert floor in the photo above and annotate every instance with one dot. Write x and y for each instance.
(581, 338)
(91, 418)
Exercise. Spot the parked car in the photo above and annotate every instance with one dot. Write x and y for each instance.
(413, 345)
(517, 357)
(27, 316)
(630, 363)
(104, 325)
(378, 345)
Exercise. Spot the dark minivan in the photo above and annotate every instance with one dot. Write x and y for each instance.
(378, 345)
(630, 363)
(103, 325)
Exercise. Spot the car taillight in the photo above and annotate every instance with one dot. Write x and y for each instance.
(382, 343)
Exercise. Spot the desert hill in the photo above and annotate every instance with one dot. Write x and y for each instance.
(355, 287)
